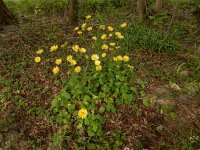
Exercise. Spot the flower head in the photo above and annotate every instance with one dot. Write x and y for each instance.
(88, 17)
(125, 58)
(58, 61)
(95, 57)
(40, 51)
(79, 32)
(110, 35)
(77, 28)
(102, 27)
(73, 62)
(104, 47)
(112, 44)
(123, 25)
(82, 113)
(98, 68)
(89, 29)
(110, 28)
(103, 55)
(82, 50)
(97, 62)
(55, 70)
(77, 69)
(103, 36)
(69, 58)
(53, 48)
(83, 26)
(75, 48)
(37, 59)
(94, 38)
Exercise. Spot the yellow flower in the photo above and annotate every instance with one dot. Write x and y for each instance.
(55, 70)
(89, 29)
(73, 62)
(83, 50)
(103, 55)
(98, 68)
(104, 47)
(88, 17)
(110, 28)
(94, 38)
(112, 44)
(126, 58)
(110, 49)
(82, 113)
(77, 28)
(79, 32)
(103, 36)
(119, 57)
(102, 27)
(110, 35)
(40, 51)
(95, 57)
(58, 61)
(123, 25)
(131, 67)
(118, 33)
(54, 48)
(117, 47)
(115, 58)
(97, 62)
(83, 26)
(75, 48)
(77, 69)
(69, 58)
(37, 59)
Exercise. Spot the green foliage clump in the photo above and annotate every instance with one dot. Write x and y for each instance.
(143, 37)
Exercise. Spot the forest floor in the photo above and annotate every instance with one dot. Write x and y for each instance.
(170, 81)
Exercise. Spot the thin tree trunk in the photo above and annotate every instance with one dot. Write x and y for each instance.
(71, 14)
(159, 5)
(6, 17)
(141, 9)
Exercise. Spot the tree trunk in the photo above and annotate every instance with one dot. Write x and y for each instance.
(141, 9)
(71, 13)
(6, 17)
(159, 5)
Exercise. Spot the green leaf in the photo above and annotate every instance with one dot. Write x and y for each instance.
(95, 127)
(90, 133)
(146, 102)
(128, 98)
(64, 95)
(54, 103)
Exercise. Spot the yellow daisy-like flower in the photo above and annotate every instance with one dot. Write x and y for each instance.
(118, 33)
(110, 49)
(110, 35)
(79, 32)
(117, 47)
(94, 38)
(77, 28)
(37, 59)
(103, 55)
(77, 69)
(83, 26)
(110, 28)
(82, 113)
(98, 68)
(73, 62)
(88, 17)
(40, 51)
(58, 61)
(55, 70)
(69, 58)
(89, 29)
(119, 57)
(82, 50)
(115, 58)
(103, 36)
(102, 27)
(53, 48)
(104, 47)
(120, 37)
(123, 25)
(112, 44)
(126, 58)
(75, 48)
(97, 62)
(95, 57)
